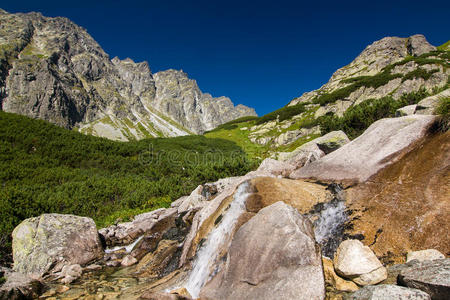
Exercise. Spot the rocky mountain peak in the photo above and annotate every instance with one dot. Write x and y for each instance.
(52, 69)
(373, 60)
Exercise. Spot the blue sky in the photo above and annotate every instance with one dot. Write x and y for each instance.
(259, 53)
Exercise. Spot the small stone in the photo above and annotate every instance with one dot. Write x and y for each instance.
(386, 292)
(422, 255)
(62, 289)
(128, 261)
(357, 262)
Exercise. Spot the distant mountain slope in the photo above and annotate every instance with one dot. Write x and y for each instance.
(52, 69)
(389, 74)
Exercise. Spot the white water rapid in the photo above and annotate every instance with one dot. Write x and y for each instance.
(328, 228)
(127, 248)
(206, 262)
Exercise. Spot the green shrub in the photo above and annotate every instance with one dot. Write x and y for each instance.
(375, 81)
(233, 124)
(359, 117)
(45, 168)
(419, 73)
(443, 110)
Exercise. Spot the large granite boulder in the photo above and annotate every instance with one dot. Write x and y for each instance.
(49, 242)
(272, 256)
(382, 144)
(357, 262)
(432, 277)
(387, 291)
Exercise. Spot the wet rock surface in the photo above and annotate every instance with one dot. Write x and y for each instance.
(265, 260)
(386, 210)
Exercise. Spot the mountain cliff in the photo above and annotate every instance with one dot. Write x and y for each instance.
(52, 69)
(392, 76)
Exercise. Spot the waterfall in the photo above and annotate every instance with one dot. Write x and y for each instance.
(207, 261)
(329, 226)
(127, 248)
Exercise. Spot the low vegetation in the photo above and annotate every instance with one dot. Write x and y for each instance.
(359, 117)
(443, 110)
(283, 113)
(45, 168)
(438, 57)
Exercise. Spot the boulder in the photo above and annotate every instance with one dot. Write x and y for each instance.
(332, 141)
(315, 149)
(49, 242)
(146, 223)
(357, 262)
(272, 256)
(388, 291)
(382, 144)
(428, 105)
(70, 273)
(332, 279)
(20, 286)
(406, 110)
(422, 255)
(432, 277)
(302, 156)
(275, 167)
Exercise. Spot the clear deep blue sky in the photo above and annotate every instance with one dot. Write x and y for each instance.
(259, 53)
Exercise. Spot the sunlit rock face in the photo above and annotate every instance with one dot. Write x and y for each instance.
(54, 70)
(406, 206)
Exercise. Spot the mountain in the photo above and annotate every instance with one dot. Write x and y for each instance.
(52, 69)
(392, 76)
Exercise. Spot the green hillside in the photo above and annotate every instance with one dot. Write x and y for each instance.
(45, 168)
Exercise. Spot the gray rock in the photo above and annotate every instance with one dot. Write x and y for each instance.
(127, 232)
(432, 277)
(49, 242)
(315, 149)
(275, 167)
(57, 72)
(357, 262)
(382, 144)
(272, 256)
(422, 255)
(20, 286)
(387, 292)
(428, 105)
(406, 110)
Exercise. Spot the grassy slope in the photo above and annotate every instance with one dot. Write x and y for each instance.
(44, 168)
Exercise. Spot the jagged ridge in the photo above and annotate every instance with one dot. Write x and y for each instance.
(52, 69)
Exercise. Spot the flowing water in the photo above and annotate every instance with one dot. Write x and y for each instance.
(208, 258)
(127, 248)
(329, 226)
